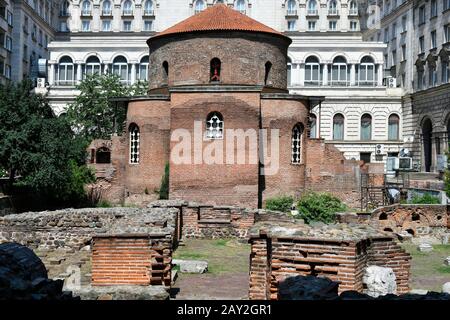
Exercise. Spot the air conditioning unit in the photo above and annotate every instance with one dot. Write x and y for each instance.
(379, 149)
(405, 163)
(40, 83)
(392, 163)
(391, 82)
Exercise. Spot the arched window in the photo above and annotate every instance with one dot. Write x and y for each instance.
(148, 9)
(102, 155)
(92, 66)
(240, 6)
(165, 69)
(267, 68)
(64, 9)
(353, 8)
(393, 127)
(366, 72)
(289, 68)
(313, 71)
(366, 127)
(214, 73)
(127, 9)
(86, 8)
(445, 67)
(65, 71)
(120, 68)
(312, 7)
(291, 7)
(312, 126)
(296, 143)
(199, 6)
(338, 127)
(134, 143)
(214, 126)
(339, 72)
(143, 69)
(332, 8)
(106, 8)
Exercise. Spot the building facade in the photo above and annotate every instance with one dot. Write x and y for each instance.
(109, 36)
(417, 34)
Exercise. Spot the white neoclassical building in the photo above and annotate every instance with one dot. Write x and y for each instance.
(328, 57)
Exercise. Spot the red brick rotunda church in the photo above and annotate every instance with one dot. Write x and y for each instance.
(215, 71)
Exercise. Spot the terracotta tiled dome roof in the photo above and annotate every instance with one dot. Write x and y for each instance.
(218, 17)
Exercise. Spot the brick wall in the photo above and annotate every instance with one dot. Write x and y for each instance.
(274, 258)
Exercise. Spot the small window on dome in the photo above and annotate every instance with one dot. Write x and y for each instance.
(268, 67)
(215, 70)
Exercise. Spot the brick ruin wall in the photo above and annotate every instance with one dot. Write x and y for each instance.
(418, 220)
(273, 259)
(63, 239)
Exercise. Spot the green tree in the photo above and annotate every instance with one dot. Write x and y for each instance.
(314, 206)
(93, 115)
(40, 147)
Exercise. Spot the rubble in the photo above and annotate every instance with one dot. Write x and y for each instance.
(379, 281)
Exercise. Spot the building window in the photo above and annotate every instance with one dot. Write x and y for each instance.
(366, 127)
(199, 6)
(422, 44)
(214, 70)
(41, 39)
(339, 71)
(332, 8)
(267, 68)
(338, 127)
(366, 72)
(386, 35)
(106, 8)
(134, 143)
(404, 52)
(445, 67)
(63, 26)
(446, 4)
(312, 8)
(332, 25)
(353, 26)
(103, 155)
(165, 67)
(106, 25)
(365, 157)
(393, 127)
(311, 25)
(291, 25)
(420, 79)
(214, 126)
(65, 71)
(432, 81)
(86, 8)
(148, 25)
(394, 31)
(126, 25)
(353, 8)
(289, 68)
(143, 69)
(85, 25)
(45, 41)
(240, 6)
(433, 8)
(433, 39)
(394, 57)
(127, 9)
(447, 33)
(9, 18)
(8, 43)
(296, 143)
(7, 71)
(291, 8)
(404, 20)
(120, 68)
(312, 126)
(64, 9)
(313, 71)
(422, 15)
(93, 66)
(148, 9)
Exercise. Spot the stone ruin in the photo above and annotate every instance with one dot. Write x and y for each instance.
(340, 252)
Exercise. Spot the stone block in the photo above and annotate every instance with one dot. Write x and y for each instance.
(191, 266)
(425, 247)
(380, 281)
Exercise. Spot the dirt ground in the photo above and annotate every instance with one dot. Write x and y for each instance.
(227, 276)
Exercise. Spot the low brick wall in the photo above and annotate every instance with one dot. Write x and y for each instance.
(337, 252)
(418, 220)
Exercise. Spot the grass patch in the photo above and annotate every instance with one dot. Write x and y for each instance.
(189, 255)
(443, 269)
(221, 242)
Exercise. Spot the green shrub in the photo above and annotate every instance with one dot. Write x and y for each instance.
(283, 203)
(164, 190)
(425, 199)
(104, 204)
(322, 207)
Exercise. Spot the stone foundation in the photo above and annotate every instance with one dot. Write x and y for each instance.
(338, 252)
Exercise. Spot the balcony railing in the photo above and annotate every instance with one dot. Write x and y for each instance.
(333, 12)
(149, 12)
(106, 12)
(127, 12)
(66, 83)
(312, 12)
(291, 12)
(86, 12)
(353, 12)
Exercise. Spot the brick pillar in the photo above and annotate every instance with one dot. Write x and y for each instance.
(260, 269)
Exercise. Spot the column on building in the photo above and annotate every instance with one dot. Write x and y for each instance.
(325, 74)
(380, 74)
(51, 74)
(133, 73)
(352, 74)
(79, 72)
(301, 74)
